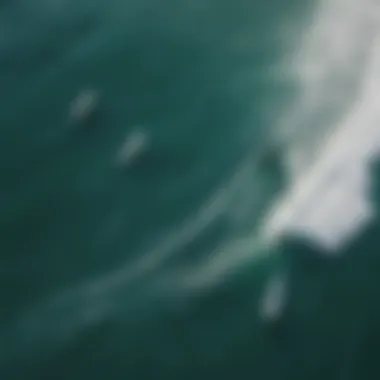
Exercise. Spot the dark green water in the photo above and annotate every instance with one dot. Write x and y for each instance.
(155, 270)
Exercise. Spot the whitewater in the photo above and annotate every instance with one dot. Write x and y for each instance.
(327, 200)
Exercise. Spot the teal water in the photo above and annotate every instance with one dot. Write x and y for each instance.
(156, 268)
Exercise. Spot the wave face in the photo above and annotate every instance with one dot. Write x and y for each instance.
(178, 179)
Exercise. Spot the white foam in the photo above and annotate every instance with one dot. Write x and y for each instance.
(328, 199)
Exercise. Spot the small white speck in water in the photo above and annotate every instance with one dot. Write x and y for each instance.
(84, 105)
(274, 299)
(136, 144)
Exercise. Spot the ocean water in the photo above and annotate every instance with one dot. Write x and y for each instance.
(189, 189)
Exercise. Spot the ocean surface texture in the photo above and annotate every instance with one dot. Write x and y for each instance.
(189, 189)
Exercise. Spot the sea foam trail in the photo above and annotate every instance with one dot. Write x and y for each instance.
(327, 199)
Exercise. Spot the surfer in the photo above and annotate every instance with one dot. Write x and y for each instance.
(84, 105)
(269, 156)
(274, 299)
(136, 144)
